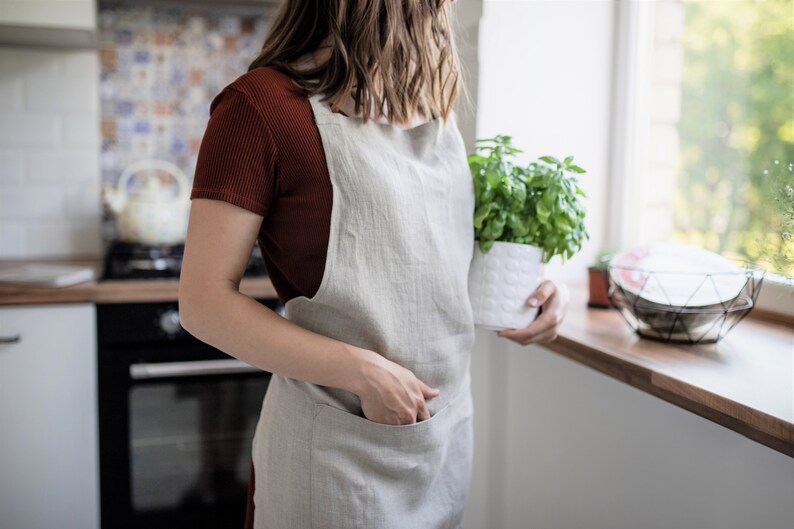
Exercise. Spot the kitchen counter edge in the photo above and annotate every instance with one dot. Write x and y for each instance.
(112, 291)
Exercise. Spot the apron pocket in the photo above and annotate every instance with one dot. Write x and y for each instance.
(368, 475)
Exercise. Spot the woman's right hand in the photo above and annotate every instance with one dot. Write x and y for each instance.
(392, 394)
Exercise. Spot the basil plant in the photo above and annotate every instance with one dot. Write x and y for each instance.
(535, 204)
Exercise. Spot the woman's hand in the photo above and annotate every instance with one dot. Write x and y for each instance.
(392, 394)
(553, 301)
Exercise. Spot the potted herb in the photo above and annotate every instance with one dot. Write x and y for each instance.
(598, 281)
(524, 216)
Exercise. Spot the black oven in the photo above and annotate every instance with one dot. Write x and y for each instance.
(176, 422)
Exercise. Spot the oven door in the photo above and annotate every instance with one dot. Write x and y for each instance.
(176, 427)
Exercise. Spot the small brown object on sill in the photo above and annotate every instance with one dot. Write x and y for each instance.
(598, 287)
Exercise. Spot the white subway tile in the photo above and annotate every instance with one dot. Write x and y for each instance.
(68, 95)
(49, 153)
(13, 237)
(11, 167)
(10, 94)
(54, 239)
(35, 63)
(32, 202)
(18, 129)
(58, 166)
(81, 131)
(82, 201)
(81, 64)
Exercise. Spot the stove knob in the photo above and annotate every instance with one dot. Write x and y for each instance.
(169, 322)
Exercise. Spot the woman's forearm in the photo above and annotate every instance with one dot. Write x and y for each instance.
(249, 331)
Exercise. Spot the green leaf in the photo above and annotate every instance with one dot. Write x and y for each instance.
(492, 177)
(476, 158)
(518, 226)
(551, 159)
(543, 212)
(482, 213)
(548, 198)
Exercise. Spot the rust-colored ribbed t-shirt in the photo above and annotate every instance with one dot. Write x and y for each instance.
(262, 151)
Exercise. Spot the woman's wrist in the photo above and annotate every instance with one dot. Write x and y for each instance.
(359, 366)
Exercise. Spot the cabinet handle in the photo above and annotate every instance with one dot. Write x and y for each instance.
(11, 339)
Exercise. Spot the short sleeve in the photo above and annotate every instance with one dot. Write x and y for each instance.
(237, 158)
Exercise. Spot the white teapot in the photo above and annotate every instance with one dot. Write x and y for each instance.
(152, 215)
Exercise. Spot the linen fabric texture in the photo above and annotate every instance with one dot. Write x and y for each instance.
(395, 282)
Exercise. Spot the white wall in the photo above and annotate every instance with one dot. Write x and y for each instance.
(545, 79)
(49, 153)
(465, 21)
(582, 450)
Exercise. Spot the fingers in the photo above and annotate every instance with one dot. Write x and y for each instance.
(539, 330)
(544, 291)
(423, 414)
(545, 337)
(427, 391)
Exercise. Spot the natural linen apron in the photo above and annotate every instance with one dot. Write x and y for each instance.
(395, 282)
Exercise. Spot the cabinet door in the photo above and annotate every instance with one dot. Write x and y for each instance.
(48, 417)
(72, 14)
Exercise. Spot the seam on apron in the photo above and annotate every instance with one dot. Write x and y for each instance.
(317, 410)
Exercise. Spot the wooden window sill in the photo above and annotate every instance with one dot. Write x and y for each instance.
(744, 382)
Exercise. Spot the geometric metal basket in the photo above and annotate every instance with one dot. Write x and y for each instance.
(685, 322)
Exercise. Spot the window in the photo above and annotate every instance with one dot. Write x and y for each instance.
(708, 120)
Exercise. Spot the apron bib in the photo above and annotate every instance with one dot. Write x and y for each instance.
(395, 282)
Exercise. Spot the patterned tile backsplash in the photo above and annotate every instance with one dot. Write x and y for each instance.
(160, 69)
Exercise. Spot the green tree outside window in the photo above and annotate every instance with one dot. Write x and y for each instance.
(737, 130)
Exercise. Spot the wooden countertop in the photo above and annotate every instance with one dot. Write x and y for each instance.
(744, 382)
(119, 291)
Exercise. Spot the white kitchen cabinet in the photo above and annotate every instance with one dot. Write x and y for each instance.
(54, 23)
(48, 417)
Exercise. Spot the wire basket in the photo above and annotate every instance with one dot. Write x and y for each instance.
(685, 307)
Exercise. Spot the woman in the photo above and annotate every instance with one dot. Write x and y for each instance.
(339, 151)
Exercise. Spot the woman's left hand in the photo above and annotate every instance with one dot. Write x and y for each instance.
(553, 302)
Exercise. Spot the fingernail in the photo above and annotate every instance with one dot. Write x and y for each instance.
(533, 302)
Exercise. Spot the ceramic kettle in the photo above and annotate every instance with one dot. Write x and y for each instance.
(151, 215)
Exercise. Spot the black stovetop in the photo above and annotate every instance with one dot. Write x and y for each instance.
(125, 260)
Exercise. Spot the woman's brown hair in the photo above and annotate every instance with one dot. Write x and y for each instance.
(395, 57)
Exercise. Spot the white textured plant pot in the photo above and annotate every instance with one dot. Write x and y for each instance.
(501, 281)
